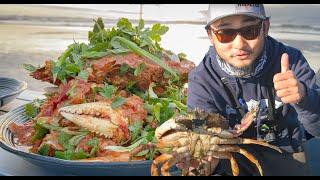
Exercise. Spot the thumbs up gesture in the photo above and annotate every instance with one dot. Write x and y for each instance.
(288, 88)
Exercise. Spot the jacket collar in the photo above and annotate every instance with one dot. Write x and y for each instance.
(243, 73)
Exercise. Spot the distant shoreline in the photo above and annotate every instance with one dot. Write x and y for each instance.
(33, 33)
(36, 20)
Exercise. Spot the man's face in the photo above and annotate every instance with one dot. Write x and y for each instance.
(240, 52)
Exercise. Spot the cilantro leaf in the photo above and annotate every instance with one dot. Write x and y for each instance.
(44, 150)
(94, 54)
(135, 130)
(156, 32)
(75, 140)
(63, 139)
(33, 109)
(98, 25)
(141, 24)
(94, 143)
(71, 154)
(125, 26)
(157, 111)
(30, 67)
(124, 68)
(107, 91)
(119, 101)
(40, 132)
(139, 69)
(83, 75)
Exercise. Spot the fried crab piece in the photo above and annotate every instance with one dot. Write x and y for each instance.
(100, 118)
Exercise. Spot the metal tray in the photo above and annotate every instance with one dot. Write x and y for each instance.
(9, 89)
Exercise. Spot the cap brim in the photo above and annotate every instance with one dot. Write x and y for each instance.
(229, 15)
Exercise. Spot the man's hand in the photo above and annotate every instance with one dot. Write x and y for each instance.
(287, 86)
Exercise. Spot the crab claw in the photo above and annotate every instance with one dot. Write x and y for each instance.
(168, 126)
(247, 120)
(98, 117)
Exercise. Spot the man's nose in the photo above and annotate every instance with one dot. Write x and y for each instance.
(239, 42)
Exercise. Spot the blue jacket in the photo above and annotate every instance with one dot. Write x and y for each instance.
(205, 90)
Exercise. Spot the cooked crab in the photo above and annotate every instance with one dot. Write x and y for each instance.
(203, 137)
(101, 118)
(108, 68)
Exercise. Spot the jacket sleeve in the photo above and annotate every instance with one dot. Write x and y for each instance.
(308, 109)
(199, 96)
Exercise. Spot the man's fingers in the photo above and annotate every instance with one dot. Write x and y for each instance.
(291, 99)
(284, 76)
(285, 84)
(287, 92)
(284, 63)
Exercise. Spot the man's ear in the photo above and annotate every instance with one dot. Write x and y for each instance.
(266, 25)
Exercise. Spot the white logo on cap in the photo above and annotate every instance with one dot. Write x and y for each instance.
(248, 6)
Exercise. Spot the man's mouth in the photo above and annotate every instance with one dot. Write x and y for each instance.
(242, 55)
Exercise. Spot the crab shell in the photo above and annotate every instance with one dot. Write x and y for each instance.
(100, 118)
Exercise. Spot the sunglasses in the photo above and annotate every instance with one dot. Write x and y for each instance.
(227, 35)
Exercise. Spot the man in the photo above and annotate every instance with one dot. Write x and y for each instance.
(246, 64)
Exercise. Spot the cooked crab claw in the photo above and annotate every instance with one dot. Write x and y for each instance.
(98, 117)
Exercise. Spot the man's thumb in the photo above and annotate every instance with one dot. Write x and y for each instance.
(284, 62)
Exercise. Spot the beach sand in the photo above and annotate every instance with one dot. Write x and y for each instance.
(11, 66)
(33, 33)
(33, 44)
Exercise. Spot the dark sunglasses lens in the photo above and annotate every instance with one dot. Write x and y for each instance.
(225, 36)
(251, 32)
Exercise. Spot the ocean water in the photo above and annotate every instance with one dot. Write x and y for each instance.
(48, 28)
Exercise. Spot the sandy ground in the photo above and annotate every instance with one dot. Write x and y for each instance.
(35, 44)
(11, 66)
(32, 42)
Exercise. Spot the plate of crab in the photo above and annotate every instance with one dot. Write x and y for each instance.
(119, 108)
(194, 136)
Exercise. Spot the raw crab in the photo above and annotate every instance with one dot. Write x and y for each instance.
(203, 137)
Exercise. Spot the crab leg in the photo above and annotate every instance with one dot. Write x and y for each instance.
(251, 158)
(167, 165)
(220, 132)
(234, 165)
(187, 165)
(261, 143)
(185, 169)
(168, 125)
(226, 155)
(233, 148)
(174, 140)
(210, 164)
(159, 160)
(217, 140)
